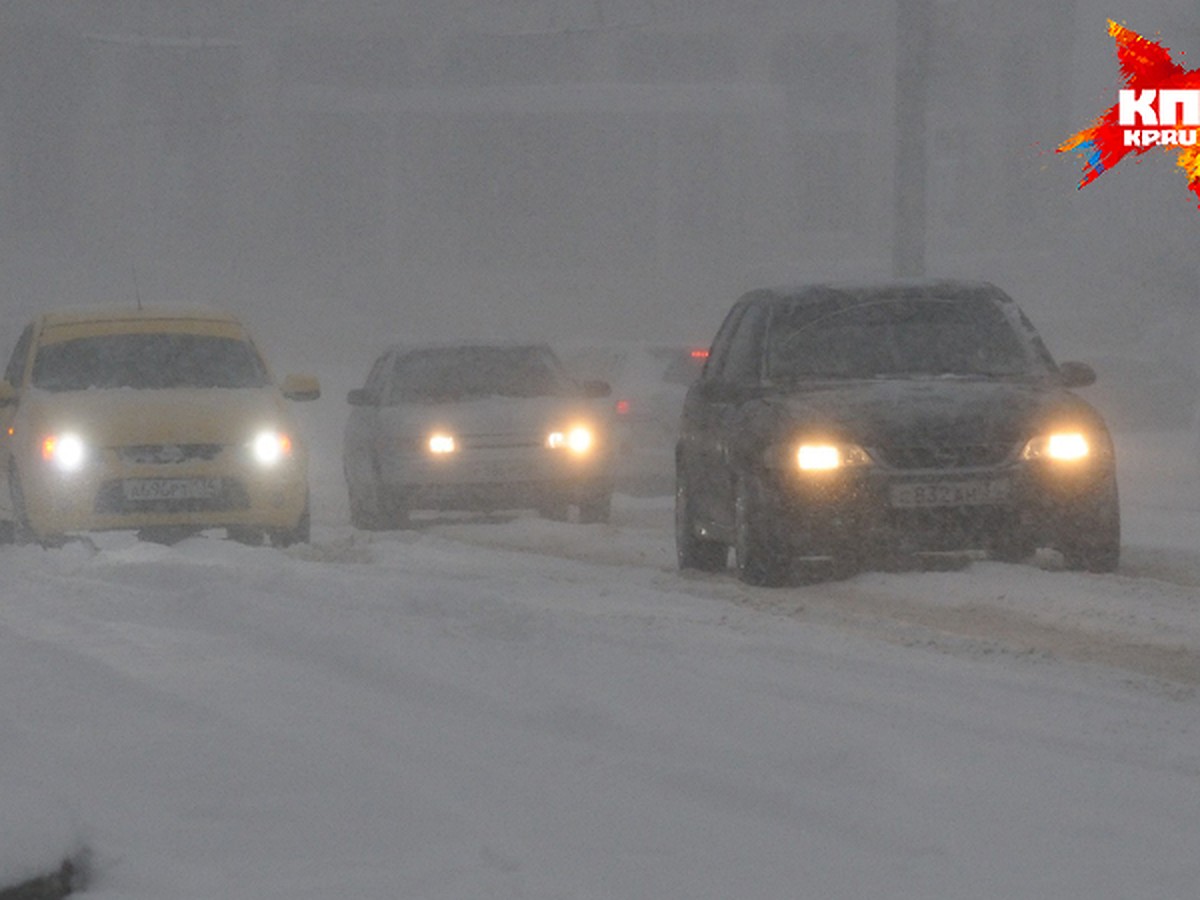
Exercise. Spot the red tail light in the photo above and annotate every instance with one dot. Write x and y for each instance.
(700, 353)
(622, 407)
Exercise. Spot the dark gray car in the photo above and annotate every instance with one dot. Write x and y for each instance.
(855, 423)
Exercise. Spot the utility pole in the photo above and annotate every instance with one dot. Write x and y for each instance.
(914, 45)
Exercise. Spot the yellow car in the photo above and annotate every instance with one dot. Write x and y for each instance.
(164, 421)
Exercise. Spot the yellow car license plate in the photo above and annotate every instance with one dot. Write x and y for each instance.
(151, 489)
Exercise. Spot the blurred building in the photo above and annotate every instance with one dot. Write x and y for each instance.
(609, 151)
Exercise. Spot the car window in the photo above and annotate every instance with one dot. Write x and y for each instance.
(14, 374)
(905, 336)
(743, 359)
(149, 361)
(447, 375)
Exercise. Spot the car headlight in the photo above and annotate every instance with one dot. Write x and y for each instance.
(66, 451)
(579, 439)
(826, 457)
(1060, 446)
(271, 447)
(441, 443)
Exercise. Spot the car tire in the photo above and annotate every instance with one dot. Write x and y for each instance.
(759, 553)
(595, 509)
(1090, 531)
(692, 551)
(301, 534)
(22, 531)
(367, 507)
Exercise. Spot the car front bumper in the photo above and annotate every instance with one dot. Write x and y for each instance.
(885, 511)
(108, 496)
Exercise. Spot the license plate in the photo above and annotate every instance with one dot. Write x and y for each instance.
(951, 493)
(151, 489)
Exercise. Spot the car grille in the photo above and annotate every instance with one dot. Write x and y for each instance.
(501, 441)
(943, 456)
(167, 454)
(111, 500)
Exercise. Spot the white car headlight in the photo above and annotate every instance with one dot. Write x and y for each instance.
(579, 439)
(271, 447)
(66, 451)
(441, 443)
(1061, 446)
(822, 457)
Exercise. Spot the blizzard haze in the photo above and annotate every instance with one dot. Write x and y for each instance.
(506, 707)
(563, 169)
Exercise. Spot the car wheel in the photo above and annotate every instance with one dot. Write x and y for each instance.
(596, 509)
(22, 531)
(366, 504)
(760, 555)
(1090, 532)
(301, 534)
(694, 552)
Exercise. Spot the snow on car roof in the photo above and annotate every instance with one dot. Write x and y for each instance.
(67, 324)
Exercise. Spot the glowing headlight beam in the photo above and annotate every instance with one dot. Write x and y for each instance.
(818, 457)
(579, 439)
(441, 443)
(827, 457)
(66, 451)
(270, 447)
(1061, 446)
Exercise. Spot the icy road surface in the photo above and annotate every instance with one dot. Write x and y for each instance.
(512, 708)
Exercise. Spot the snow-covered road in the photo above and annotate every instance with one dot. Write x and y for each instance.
(512, 708)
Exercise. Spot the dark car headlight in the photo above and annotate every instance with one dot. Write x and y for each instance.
(1063, 446)
(828, 457)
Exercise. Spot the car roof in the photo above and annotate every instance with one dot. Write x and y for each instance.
(853, 291)
(66, 324)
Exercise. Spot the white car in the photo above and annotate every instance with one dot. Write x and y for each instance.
(480, 427)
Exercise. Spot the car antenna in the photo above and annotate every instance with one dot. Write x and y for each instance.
(137, 294)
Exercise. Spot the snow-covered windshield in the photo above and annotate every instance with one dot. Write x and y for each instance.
(897, 336)
(446, 375)
(149, 361)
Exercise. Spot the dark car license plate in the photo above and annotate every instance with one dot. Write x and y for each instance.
(151, 489)
(951, 493)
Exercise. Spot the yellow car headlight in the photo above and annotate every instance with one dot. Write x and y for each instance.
(66, 451)
(1060, 446)
(440, 443)
(826, 457)
(269, 448)
(579, 439)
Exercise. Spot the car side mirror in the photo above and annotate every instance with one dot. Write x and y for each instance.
(596, 389)
(301, 387)
(1076, 374)
(8, 394)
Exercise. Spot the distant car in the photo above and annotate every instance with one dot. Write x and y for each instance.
(850, 423)
(164, 421)
(476, 427)
(649, 383)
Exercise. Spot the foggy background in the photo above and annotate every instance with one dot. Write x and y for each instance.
(343, 172)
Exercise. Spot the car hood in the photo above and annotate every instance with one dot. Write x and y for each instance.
(501, 415)
(126, 416)
(915, 412)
